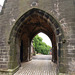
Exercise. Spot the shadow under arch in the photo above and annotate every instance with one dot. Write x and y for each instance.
(26, 27)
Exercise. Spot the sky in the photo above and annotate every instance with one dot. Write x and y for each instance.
(1, 2)
(45, 38)
(42, 35)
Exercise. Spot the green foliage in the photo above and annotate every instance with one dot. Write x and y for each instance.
(40, 46)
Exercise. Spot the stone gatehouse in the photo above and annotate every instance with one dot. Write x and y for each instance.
(21, 20)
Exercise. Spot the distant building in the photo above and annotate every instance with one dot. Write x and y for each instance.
(0, 8)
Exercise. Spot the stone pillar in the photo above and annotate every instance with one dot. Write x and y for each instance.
(25, 48)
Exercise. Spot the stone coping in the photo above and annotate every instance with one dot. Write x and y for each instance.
(9, 71)
(73, 73)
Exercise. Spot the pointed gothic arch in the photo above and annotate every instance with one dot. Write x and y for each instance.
(26, 27)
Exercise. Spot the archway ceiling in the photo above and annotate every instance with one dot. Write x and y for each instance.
(34, 24)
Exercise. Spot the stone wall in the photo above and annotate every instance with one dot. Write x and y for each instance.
(7, 19)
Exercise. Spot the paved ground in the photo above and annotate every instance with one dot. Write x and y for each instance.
(40, 65)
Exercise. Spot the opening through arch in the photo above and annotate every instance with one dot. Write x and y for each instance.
(41, 44)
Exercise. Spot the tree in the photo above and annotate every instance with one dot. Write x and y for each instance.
(40, 47)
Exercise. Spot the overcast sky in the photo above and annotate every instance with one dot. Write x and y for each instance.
(45, 38)
(1, 2)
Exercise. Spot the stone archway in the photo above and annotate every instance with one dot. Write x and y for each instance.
(27, 26)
